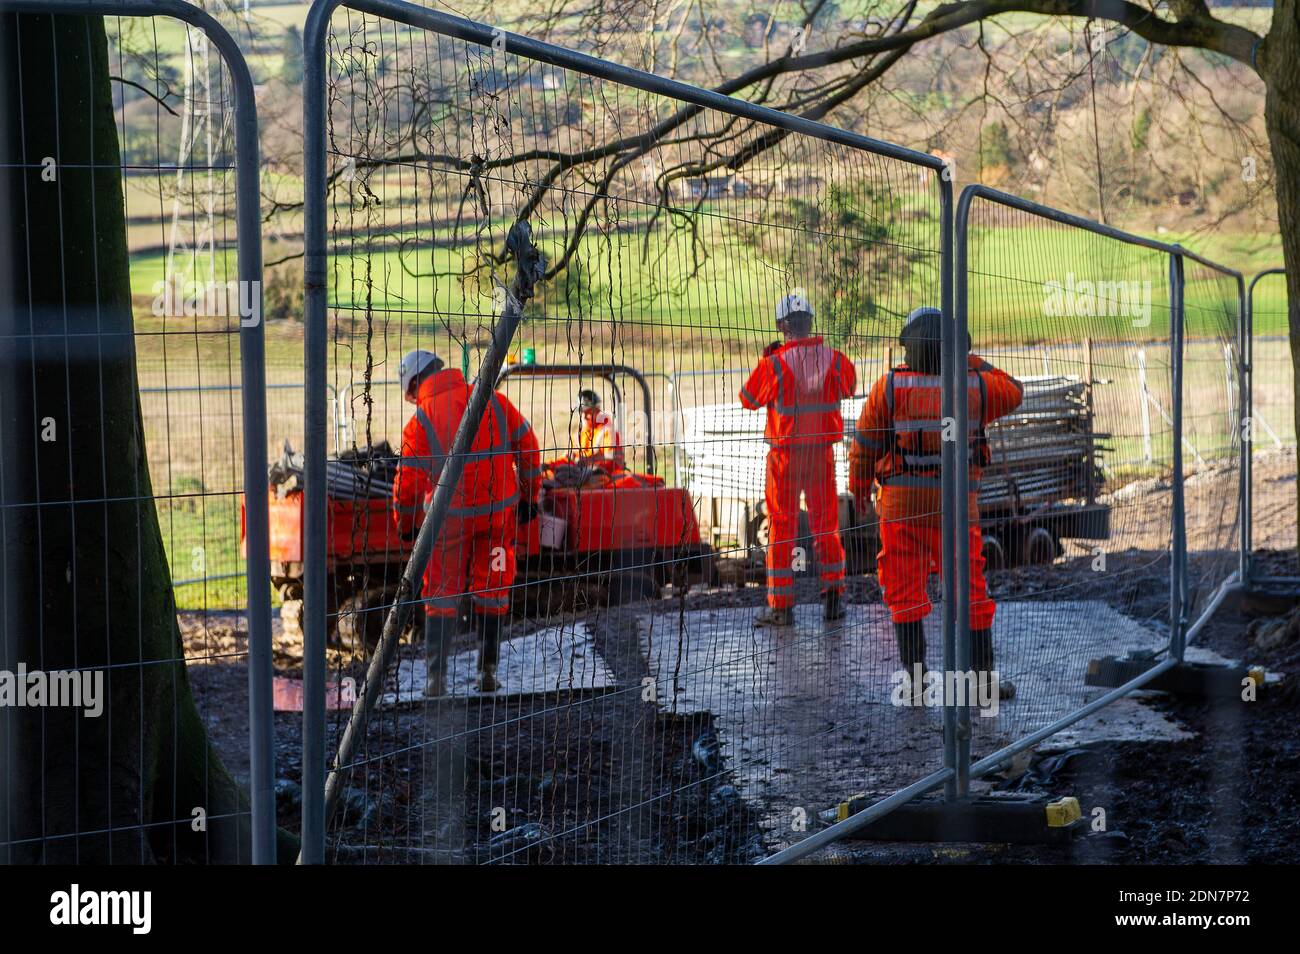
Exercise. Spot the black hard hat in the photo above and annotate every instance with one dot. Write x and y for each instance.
(922, 340)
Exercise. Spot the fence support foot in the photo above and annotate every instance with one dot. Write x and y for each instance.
(1007, 818)
(1199, 680)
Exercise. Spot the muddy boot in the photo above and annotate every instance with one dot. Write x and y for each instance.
(775, 617)
(981, 659)
(911, 650)
(438, 631)
(834, 605)
(489, 649)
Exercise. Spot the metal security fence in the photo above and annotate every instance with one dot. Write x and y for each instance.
(1027, 272)
(194, 435)
(131, 127)
(641, 717)
(1213, 427)
(562, 232)
(558, 225)
(1270, 465)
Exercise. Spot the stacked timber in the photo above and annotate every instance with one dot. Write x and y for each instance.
(356, 474)
(1046, 451)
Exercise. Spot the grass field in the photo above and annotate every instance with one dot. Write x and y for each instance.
(638, 311)
(649, 296)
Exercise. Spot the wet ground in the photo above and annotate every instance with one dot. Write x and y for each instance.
(1229, 794)
(673, 731)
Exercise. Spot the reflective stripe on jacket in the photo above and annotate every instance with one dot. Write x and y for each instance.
(503, 456)
(899, 439)
(801, 384)
(600, 439)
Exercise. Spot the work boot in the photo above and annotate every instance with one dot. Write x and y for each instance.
(489, 649)
(981, 658)
(834, 605)
(438, 631)
(911, 651)
(775, 616)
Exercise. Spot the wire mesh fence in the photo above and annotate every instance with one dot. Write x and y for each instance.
(1274, 421)
(1078, 517)
(640, 715)
(649, 661)
(1212, 428)
(131, 139)
(1272, 376)
(1271, 413)
(594, 666)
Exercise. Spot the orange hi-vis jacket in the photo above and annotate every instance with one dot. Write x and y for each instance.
(899, 439)
(601, 439)
(801, 384)
(503, 455)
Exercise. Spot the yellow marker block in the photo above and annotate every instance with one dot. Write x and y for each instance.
(1062, 812)
(845, 808)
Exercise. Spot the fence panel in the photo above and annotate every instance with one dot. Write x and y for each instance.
(1272, 433)
(1082, 508)
(633, 725)
(144, 283)
(1212, 306)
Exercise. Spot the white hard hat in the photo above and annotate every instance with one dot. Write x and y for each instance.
(791, 304)
(416, 363)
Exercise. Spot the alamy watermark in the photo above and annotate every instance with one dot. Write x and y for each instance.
(980, 690)
(78, 906)
(209, 299)
(1082, 297)
(64, 688)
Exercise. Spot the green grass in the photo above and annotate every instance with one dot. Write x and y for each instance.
(689, 314)
(732, 289)
(201, 536)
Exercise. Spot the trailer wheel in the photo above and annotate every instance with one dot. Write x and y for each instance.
(757, 535)
(1041, 547)
(995, 554)
(361, 619)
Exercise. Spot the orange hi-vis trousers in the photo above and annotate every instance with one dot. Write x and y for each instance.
(810, 471)
(909, 552)
(474, 555)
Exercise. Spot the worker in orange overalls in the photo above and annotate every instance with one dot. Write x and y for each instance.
(599, 443)
(801, 382)
(475, 551)
(899, 445)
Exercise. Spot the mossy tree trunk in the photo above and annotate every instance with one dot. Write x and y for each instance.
(1280, 69)
(86, 579)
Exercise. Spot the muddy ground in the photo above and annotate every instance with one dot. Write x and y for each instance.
(550, 776)
(1230, 795)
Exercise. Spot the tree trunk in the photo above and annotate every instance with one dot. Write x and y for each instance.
(1280, 67)
(86, 580)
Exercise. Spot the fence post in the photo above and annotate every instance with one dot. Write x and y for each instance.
(1089, 404)
(252, 350)
(1144, 404)
(1246, 427)
(1178, 554)
(315, 410)
(955, 544)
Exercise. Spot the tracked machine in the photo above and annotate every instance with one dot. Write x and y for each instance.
(595, 542)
